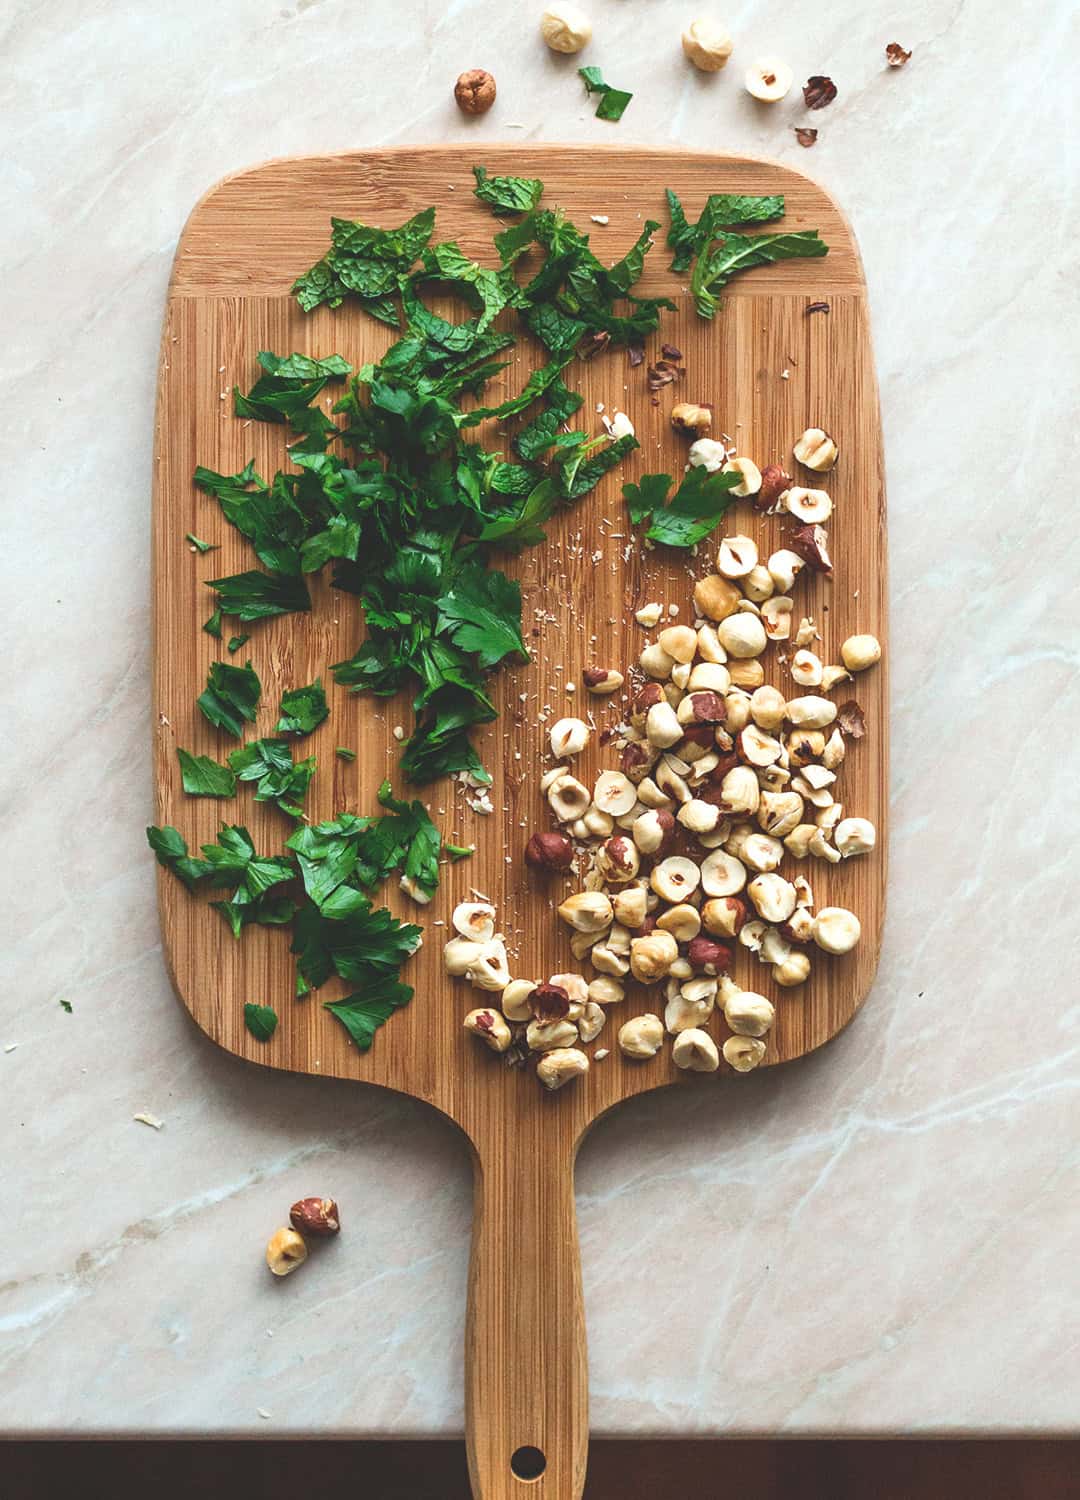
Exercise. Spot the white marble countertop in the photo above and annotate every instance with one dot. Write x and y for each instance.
(883, 1238)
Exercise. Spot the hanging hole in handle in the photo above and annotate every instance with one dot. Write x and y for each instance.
(527, 1463)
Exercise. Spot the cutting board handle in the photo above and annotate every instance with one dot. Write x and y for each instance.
(526, 1373)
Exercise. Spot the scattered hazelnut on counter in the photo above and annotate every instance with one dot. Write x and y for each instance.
(602, 680)
(816, 450)
(706, 44)
(737, 555)
(715, 598)
(460, 954)
(614, 793)
(784, 567)
(807, 669)
(560, 1065)
(811, 543)
(546, 1036)
(317, 1216)
(565, 28)
(686, 416)
(475, 91)
(568, 799)
(490, 971)
(793, 971)
(695, 1051)
(642, 1037)
(618, 860)
(773, 896)
(652, 956)
(748, 1014)
(707, 454)
(568, 737)
(811, 712)
(774, 482)
(836, 929)
(285, 1251)
(769, 80)
(832, 676)
(742, 635)
(743, 1053)
(675, 878)
(860, 651)
(549, 851)
(606, 991)
(517, 1000)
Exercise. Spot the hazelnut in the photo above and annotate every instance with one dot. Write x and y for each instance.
(614, 793)
(709, 677)
(516, 1000)
(317, 1216)
(774, 481)
(741, 792)
(832, 676)
(742, 635)
(723, 916)
(684, 1012)
(645, 698)
(605, 960)
(654, 831)
(779, 813)
(820, 847)
(587, 911)
(490, 1027)
(812, 507)
(592, 1022)
(756, 747)
(602, 680)
(707, 454)
(804, 745)
(806, 668)
(773, 896)
(475, 920)
(642, 1037)
(649, 615)
(675, 878)
(709, 957)
(743, 1053)
(552, 1001)
(568, 737)
(758, 585)
(768, 80)
(686, 417)
(751, 476)
(618, 860)
(695, 1051)
(747, 674)
(737, 555)
(545, 1036)
(662, 725)
(560, 1065)
(722, 874)
(679, 642)
(606, 991)
(715, 598)
(285, 1251)
(460, 954)
(748, 1014)
(794, 970)
(784, 567)
(655, 662)
(475, 91)
(816, 450)
(699, 816)
(706, 44)
(549, 851)
(836, 930)
(812, 544)
(767, 707)
(762, 853)
(737, 708)
(682, 921)
(567, 798)
(811, 713)
(565, 28)
(652, 956)
(860, 651)
(854, 836)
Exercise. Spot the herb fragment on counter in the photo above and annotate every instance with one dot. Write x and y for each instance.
(343, 754)
(200, 546)
(613, 101)
(507, 195)
(277, 778)
(818, 91)
(458, 851)
(236, 641)
(144, 1117)
(302, 709)
(363, 1014)
(66, 1005)
(213, 625)
(203, 777)
(804, 135)
(231, 696)
(696, 509)
(261, 1021)
(895, 55)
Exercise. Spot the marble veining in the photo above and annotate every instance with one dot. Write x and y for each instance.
(881, 1238)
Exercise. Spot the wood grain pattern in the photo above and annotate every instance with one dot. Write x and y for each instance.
(229, 298)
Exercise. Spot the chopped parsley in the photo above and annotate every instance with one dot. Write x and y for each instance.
(213, 625)
(270, 765)
(200, 546)
(236, 641)
(363, 1014)
(613, 101)
(203, 777)
(231, 696)
(343, 754)
(66, 1006)
(697, 507)
(261, 1021)
(302, 709)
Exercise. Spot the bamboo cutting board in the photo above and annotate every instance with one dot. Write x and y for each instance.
(770, 369)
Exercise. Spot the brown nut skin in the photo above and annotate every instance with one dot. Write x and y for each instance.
(317, 1216)
(708, 708)
(707, 956)
(475, 91)
(699, 734)
(812, 544)
(667, 823)
(549, 851)
(549, 1002)
(617, 859)
(651, 694)
(774, 481)
(636, 760)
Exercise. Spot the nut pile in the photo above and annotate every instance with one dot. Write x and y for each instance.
(722, 778)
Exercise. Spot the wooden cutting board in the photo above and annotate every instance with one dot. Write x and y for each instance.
(770, 369)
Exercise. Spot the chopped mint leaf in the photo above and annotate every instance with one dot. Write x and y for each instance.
(459, 851)
(203, 777)
(261, 1021)
(236, 641)
(613, 101)
(199, 545)
(715, 267)
(507, 195)
(721, 211)
(343, 754)
(302, 709)
(66, 1005)
(231, 696)
(362, 1014)
(645, 497)
(213, 625)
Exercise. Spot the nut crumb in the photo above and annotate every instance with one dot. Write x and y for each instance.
(145, 1118)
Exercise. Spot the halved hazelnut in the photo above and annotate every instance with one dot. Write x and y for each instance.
(743, 1053)
(751, 476)
(675, 878)
(762, 852)
(776, 617)
(568, 737)
(614, 793)
(474, 920)
(812, 507)
(784, 567)
(737, 555)
(779, 812)
(773, 896)
(722, 874)
(567, 798)
(806, 668)
(695, 1051)
(816, 450)
(758, 748)
(490, 1027)
(682, 921)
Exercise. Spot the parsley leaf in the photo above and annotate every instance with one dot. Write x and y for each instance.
(236, 641)
(302, 709)
(261, 1021)
(642, 499)
(696, 509)
(612, 101)
(362, 1014)
(481, 613)
(343, 754)
(257, 596)
(507, 195)
(200, 546)
(171, 851)
(270, 765)
(231, 696)
(288, 386)
(213, 625)
(203, 777)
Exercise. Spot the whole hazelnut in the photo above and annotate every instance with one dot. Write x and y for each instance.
(708, 956)
(317, 1216)
(565, 28)
(285, 1252)
(549, 851)
(774, 481)
(475, 91)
